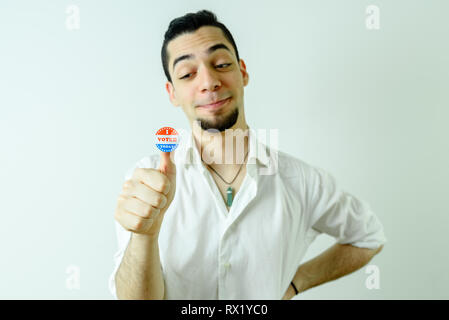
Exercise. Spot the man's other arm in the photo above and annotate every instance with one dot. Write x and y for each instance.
(336, 262)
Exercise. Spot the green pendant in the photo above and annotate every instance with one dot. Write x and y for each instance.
(229, 196)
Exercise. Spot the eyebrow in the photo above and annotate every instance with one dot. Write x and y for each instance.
(208, 51)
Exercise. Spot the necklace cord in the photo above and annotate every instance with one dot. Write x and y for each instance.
(229, 183)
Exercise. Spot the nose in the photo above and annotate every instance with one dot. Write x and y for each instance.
(209, 80)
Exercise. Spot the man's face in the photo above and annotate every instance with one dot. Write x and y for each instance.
(210, 73)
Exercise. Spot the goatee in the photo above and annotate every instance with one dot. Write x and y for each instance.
(221, 122)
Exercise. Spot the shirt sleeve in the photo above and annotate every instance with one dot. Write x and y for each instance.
(123, 235)
(342, 215)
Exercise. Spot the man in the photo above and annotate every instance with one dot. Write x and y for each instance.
(228, 229)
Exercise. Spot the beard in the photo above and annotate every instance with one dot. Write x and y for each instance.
(220, 122)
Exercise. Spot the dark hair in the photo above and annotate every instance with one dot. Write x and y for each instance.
(188, 23)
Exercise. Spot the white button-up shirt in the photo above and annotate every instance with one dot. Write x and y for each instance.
(254, 250)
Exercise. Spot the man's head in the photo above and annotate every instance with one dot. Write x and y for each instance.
(202, 66)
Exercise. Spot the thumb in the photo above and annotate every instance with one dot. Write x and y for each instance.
(167, 166)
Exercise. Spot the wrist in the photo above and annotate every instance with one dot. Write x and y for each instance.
(295, 290)
(145, 238)
(300, 282)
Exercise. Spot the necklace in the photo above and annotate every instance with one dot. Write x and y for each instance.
(230, 190)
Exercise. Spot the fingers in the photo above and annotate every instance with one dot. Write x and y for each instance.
(133, 222)
(144, 193)
(165, 161)
(153, 179)
(139, 208)
(166, 165)
(144, 199)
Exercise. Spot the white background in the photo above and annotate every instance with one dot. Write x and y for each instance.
(80, 107)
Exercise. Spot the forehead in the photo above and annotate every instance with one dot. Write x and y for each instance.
(196, 42)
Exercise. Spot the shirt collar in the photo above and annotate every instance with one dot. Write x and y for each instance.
(187, 152)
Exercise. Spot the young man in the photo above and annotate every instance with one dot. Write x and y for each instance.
(192, 229)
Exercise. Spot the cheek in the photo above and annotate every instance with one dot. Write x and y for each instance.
(186, 97)
(236, 79)
(235, 82)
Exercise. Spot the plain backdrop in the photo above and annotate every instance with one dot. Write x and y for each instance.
(79, 107)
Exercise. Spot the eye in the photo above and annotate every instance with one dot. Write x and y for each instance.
(224, 64)
(185, 76)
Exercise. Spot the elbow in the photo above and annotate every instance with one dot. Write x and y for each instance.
(379, 249)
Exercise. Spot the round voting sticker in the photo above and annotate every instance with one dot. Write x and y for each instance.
(167, 139)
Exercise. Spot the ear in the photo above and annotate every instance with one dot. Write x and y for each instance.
(245, 74)
(171, 93)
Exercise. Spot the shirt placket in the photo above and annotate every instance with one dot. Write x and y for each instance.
(245, 195)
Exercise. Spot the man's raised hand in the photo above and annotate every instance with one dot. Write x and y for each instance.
(146, 197)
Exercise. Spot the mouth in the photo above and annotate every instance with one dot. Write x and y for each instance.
(215, 106)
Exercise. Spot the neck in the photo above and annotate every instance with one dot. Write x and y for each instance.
(222, 148)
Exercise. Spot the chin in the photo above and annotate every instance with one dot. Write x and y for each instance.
(220, 122)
